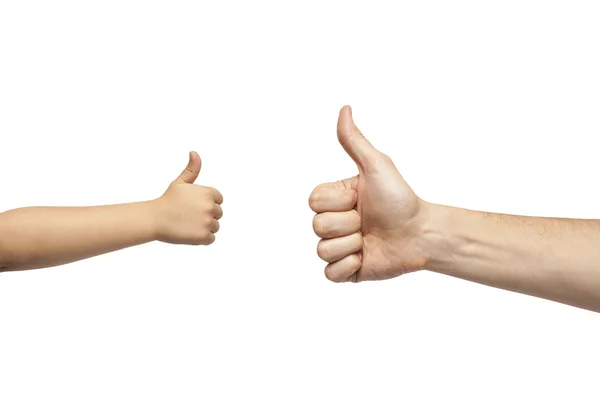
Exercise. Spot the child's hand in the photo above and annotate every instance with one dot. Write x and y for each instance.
(188, 213)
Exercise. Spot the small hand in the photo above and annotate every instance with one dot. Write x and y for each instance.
(371, 224)
(188, 213)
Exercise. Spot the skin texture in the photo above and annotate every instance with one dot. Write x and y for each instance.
(373, 226)
(38, 237)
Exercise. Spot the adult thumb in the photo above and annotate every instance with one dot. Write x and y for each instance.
(191, 172)
(352, 140)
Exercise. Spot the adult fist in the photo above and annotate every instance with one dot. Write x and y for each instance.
(371, 225)
(188, 213)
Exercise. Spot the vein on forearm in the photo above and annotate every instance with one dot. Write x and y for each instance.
(556, 258)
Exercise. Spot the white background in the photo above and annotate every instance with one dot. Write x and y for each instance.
(484, 105)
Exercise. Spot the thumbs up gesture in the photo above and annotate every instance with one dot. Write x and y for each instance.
(188, 213)
(371, 225)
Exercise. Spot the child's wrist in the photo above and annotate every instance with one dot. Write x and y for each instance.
(153, 209)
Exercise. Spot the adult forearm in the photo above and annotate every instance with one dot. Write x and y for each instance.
(557, 259)
(38, 237)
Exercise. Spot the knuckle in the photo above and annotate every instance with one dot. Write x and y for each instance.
(314, 198)
(205, 192)
(328, 274)
(197, 241)
(323, 251)
(320, 225)
(385, 160)
(385, 157)
(201, 237)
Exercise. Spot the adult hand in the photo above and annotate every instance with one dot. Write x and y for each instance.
(371, 224)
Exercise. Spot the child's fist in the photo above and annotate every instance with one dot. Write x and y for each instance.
(188, 213)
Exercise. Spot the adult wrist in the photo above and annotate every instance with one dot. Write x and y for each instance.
(439, 239)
